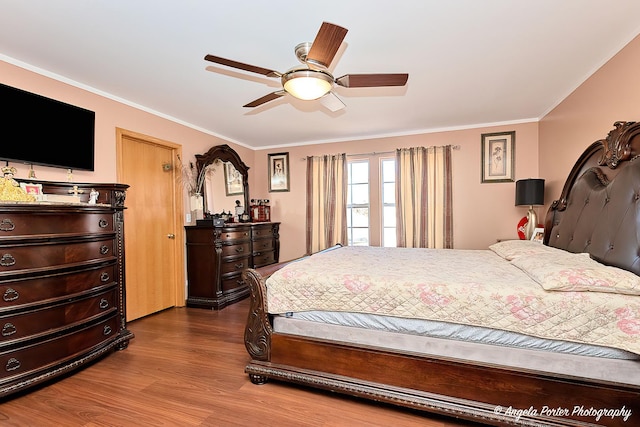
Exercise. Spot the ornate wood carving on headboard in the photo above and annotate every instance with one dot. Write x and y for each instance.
(617, 144)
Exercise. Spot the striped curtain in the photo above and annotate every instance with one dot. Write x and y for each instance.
(423, 197)
(326, 201)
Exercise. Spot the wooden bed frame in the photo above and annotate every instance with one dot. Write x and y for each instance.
(485, 393)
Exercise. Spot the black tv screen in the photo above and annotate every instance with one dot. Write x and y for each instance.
(42, 131)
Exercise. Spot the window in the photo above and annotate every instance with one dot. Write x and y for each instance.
(388, 202)
(358, 203)
(371, 204)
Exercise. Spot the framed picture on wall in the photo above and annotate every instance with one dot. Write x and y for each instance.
(278, 172)
(232, 180)
(498, 157)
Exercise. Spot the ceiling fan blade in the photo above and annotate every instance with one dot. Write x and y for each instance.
(242, 66)
(265, 99)
(372, 80)
(326, 44)
(332, 102)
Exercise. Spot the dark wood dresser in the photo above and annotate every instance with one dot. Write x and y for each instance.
(216, 257)
(62, 284)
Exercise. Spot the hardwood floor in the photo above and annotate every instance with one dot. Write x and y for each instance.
(185, 367)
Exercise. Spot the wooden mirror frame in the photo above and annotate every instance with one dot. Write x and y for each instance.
(225, 153)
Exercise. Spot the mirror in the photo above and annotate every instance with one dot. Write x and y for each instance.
(226, 179)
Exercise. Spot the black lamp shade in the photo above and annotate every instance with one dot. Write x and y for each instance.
(530, 192)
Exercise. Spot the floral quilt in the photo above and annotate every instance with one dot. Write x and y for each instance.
(473, 287)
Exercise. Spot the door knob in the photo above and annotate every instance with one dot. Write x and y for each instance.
(171, 236)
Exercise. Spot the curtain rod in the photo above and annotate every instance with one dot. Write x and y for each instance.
(453, 147)
(373, 153)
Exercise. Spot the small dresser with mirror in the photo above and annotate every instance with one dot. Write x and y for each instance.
(219, 250)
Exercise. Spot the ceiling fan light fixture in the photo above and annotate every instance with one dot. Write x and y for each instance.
(307, 84)
(312, 80)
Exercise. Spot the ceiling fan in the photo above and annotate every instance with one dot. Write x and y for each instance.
(312, 80)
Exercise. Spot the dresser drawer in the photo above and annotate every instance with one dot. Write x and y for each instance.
(233, 283)
(32, 323)
(232, 234)
(237, 249)
(260, 231)
(235, 265)
(261, 259)
(21, 293)
(49, 223)
(263, 245)
(29, 359)
(14, 258)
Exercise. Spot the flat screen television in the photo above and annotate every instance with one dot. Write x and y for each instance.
(43, 131)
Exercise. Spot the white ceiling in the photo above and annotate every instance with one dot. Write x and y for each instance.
(470, 62)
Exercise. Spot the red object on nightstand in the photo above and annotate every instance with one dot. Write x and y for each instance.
(521, 227)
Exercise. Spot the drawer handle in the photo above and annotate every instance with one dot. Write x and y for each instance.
(7, 260)
(239, 249)
(104, 249)
(240, 265)
(12, 364)
(104, 303)
(103, 223)
(7, 225)
(107, 330)
(257, 254)
(9, 329)
(10, 295)
(104, 276)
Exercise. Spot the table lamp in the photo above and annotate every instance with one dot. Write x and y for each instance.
(530, 192)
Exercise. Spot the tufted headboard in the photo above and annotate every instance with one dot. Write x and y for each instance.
(599, 209)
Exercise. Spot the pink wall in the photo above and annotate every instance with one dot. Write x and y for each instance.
(482, 212)
(609, 95)
(109, 116)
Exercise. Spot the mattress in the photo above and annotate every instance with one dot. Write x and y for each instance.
(459, 332)
(612, 366)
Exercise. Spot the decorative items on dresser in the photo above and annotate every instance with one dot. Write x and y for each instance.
(62, 283)
(217, 255)
(260, 210)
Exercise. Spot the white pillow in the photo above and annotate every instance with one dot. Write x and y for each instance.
(512, 249)
(576, 273)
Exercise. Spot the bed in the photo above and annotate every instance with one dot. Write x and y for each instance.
(522, 333)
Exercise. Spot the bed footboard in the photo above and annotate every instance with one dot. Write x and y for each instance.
(478, 392)
(258, 331)
(257, 334)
